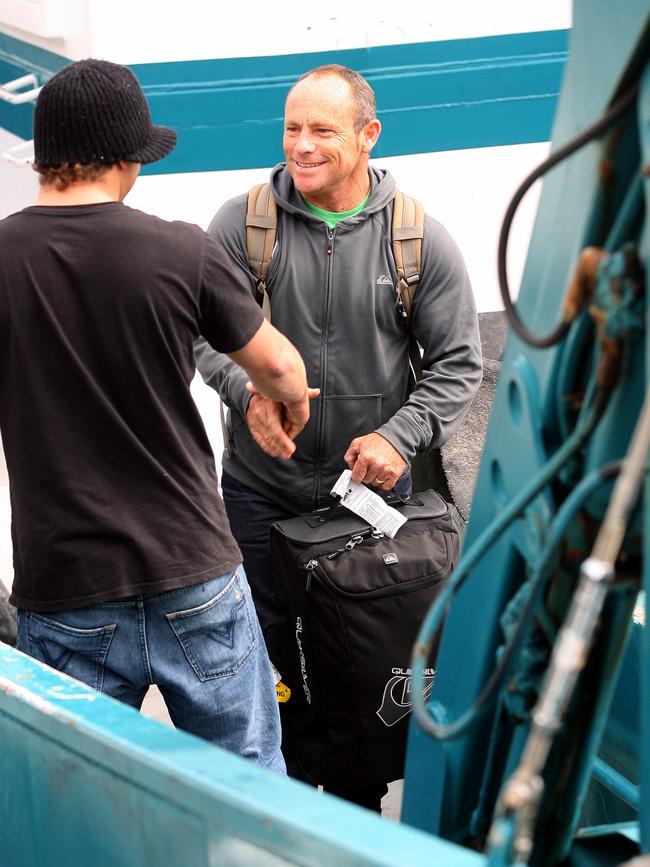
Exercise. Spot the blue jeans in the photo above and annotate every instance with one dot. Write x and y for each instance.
(250, 516)
(201, 646)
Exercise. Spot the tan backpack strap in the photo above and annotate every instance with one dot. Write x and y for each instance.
(407, 234)
(261, 229)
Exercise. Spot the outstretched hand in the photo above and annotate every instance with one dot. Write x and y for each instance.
(274, 425)
(375, 461)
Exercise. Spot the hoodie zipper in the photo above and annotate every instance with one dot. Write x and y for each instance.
(323, 360)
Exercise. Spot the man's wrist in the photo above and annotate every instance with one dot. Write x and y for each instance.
(301, 400)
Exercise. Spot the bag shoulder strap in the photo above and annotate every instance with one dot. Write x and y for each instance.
(427, 470)
(261, 231)
(407, 234)
(406, 240)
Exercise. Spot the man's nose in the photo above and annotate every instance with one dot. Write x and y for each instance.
(305, 143)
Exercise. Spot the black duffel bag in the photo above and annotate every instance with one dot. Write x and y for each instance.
(355, 600)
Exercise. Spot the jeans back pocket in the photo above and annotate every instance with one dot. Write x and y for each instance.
(218, 636)
(79, 653)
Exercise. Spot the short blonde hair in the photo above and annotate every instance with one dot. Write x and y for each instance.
(362, 93)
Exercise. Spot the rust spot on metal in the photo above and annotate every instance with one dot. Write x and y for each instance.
(606, 169)
(583, 282)
(575, 554)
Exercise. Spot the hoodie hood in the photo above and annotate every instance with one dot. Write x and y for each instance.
(382, 191)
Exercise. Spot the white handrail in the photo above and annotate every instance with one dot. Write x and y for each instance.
(11, 91)
(21, 154)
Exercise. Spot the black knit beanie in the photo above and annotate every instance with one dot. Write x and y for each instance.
(92, 112)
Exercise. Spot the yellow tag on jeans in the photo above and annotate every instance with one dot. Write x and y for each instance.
(282, 691)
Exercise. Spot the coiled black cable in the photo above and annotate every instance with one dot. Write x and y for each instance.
(441, 728)
(592, 132)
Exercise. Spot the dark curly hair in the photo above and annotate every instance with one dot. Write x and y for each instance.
(62, 177)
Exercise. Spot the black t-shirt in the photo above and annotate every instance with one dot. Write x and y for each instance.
(112, 479)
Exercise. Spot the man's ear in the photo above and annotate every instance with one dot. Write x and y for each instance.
(371, 134)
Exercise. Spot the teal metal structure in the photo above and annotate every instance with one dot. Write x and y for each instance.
(85, 780)
(595, 197)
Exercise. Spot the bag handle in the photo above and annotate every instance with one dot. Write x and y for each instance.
(322, 516)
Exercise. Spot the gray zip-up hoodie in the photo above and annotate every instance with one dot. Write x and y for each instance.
(333, 295)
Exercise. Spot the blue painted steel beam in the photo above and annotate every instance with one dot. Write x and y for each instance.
(432, 96)
(644, 722)
(616, 783)
(87, 780)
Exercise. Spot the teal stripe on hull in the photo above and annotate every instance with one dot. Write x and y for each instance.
(433, 96)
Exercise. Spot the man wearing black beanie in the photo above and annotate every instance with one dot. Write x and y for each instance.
(126, 573)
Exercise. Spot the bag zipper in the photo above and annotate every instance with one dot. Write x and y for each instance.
(352, 542)
(370, 534)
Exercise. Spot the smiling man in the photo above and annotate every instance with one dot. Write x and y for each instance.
(331, 284)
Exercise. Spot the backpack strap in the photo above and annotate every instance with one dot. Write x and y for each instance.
(407, 234)
(261, 230)
(427, 470)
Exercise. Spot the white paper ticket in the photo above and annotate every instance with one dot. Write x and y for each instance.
(367, 505)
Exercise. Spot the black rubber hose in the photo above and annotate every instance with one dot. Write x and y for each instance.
(605, 122)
